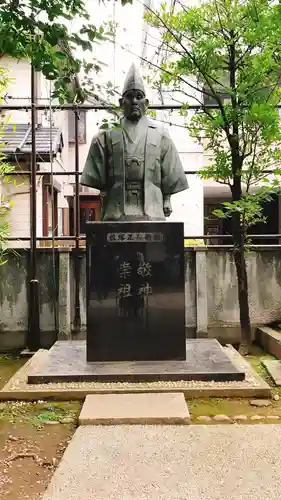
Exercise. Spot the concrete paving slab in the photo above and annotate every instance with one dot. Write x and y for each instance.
(18, 389)
(232, 462)
(273, 366)
(149, 408)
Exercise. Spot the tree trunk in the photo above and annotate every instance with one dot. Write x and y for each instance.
(238, 232)
(242, 279)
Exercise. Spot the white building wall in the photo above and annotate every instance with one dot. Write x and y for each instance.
(188, 206)
(19, 87)
(58, 119)
(19, 216)
(19, 194)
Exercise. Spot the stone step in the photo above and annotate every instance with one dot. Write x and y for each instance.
(147, 408)
(273, 366)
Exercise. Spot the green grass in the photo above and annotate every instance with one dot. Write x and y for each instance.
(9, 364)
(35, 413)
(239, 406)
(38, 413)
(255, 360)
(229, 407)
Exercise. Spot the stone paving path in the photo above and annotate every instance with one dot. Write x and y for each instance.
(141, 462)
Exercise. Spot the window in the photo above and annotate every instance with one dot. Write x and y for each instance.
(82, 132)
(89, 212)
(214, 225)
(50, 207)
(210, 100)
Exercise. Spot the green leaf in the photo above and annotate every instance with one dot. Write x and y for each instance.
(60, 55)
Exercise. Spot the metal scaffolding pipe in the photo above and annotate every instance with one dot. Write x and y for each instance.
(77, 256)
(33, 335)
(102, 107)
(74, 172)
(202, 237)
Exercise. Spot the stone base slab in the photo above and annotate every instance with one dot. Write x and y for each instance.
(205, 360)
(18, 389)
(269, 340)
(150, 408)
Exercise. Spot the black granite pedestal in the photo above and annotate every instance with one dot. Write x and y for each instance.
(135, 291)
(135, 314)
(66, 361)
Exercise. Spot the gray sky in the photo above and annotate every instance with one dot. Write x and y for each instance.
(129, 33)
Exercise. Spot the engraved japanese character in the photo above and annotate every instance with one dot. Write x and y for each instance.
(121, 236)
(125, 269)
(145, 290)
(157, 237)
(111, 237)
(144, 269)
(124, 290)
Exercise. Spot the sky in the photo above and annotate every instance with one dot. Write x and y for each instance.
(117, 57)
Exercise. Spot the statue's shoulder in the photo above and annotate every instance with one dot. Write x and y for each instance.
(160, 127)
(101, 138)
(154, 124)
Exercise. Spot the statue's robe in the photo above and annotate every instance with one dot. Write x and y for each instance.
(146, 145)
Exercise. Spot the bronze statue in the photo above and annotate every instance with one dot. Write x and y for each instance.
(137, 165)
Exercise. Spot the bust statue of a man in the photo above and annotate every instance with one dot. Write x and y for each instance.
(136, 166)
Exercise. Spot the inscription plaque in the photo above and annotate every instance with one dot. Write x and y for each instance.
(135, 291)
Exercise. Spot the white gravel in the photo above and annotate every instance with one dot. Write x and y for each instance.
(170, 463)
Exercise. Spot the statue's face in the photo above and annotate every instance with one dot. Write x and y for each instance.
(134, 104)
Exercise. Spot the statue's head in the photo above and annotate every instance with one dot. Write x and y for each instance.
(133, 101)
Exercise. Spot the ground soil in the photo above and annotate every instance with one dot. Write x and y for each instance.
(32, 439)
(28, 457)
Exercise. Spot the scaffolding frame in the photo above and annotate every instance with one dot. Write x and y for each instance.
(33, 335)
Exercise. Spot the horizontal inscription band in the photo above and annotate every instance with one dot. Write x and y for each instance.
(134, 237)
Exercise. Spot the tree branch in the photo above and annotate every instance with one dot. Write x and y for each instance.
(180, 78)
(247, 51)
(227, 39)
(252, 163)
(206, 77)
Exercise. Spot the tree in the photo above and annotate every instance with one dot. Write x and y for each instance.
(37, 30)
(231, 50)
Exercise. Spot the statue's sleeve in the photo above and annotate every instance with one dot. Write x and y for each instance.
(173, 176)
(94, 170)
